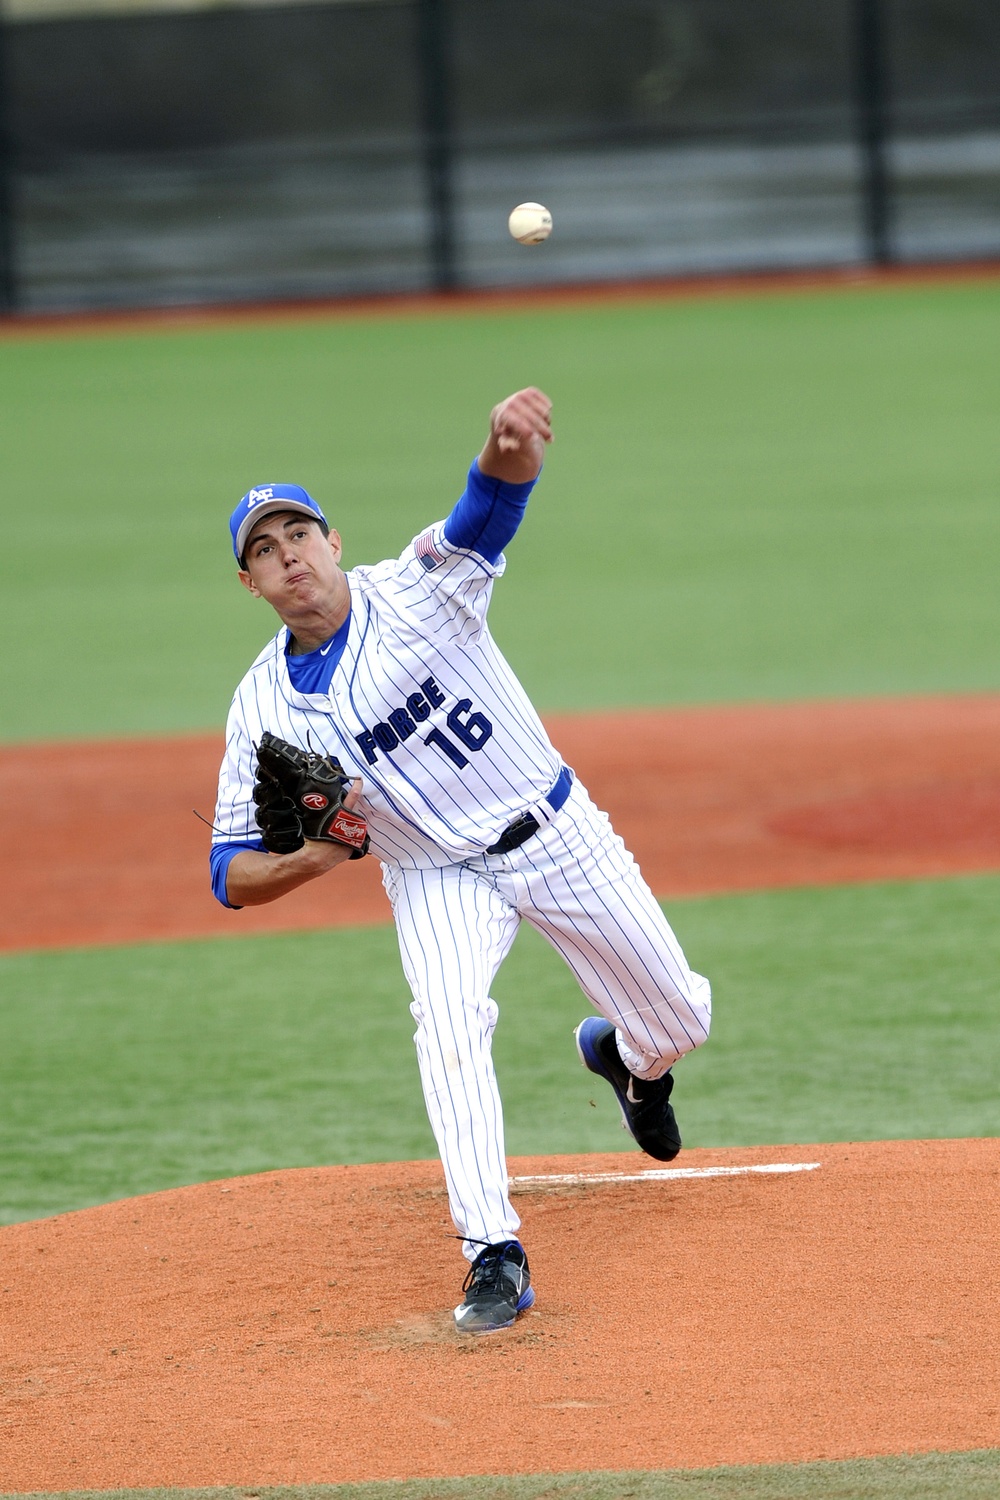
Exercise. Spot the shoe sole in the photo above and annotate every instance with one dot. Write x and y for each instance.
(594, 1062)
(526, 1300)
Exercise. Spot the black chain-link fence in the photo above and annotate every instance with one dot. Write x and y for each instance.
(378, 145)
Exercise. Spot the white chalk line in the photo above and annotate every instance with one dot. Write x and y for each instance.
(666, 1174)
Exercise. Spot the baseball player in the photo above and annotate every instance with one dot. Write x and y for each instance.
(384, 704)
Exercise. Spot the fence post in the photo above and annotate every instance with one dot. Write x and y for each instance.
(8, 287)
(871, 106)
(434, 49)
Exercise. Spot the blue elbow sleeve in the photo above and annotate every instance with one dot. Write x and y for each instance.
(220, 858)
(487, 515)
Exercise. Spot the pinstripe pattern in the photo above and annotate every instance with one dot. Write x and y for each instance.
(578, 885)
(418, 626)
(454, 931)
(408, 624)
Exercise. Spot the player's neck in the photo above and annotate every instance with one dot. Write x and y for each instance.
(311, 628)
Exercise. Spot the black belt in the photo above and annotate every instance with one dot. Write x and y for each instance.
(524, 826)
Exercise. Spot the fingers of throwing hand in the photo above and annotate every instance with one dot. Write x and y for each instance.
(524, 416)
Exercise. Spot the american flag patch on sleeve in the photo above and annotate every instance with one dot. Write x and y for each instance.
(427, 551)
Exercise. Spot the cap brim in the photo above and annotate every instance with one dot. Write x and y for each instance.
(269, 508)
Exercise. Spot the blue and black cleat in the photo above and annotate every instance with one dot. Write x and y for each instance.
(647, 1113)
(497, 1288)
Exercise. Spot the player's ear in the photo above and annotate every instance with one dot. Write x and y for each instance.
(248, 582)
(336, 545)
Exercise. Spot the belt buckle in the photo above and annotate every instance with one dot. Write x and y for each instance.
(515, 834)
(520, 822)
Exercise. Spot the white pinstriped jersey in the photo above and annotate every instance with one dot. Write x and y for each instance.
(422, 705)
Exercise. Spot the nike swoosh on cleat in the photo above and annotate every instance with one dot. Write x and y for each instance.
(629, 1094)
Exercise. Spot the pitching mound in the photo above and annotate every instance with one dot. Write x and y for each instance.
(295, 1326)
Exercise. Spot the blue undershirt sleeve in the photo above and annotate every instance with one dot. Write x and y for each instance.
(220, 858)
(487, 515)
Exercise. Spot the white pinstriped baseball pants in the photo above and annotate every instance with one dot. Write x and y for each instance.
(579, 886)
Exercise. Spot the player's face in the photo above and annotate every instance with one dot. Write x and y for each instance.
(291, 564)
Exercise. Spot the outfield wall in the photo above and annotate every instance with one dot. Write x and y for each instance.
(314, 150)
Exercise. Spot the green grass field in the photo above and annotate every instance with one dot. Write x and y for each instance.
(856, 1013)
(779, 496)
(927, 1476)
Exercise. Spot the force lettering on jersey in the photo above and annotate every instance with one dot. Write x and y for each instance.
(469, 727)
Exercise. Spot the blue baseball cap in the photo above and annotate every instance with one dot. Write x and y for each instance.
(264, 500)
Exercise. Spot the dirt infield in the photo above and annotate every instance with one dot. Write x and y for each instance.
(294, 1326)
(710, 799)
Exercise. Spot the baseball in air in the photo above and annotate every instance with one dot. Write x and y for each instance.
(530, 223)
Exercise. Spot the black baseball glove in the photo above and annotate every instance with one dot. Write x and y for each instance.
(299, 795)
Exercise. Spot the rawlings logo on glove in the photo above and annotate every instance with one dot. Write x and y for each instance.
(299, 795)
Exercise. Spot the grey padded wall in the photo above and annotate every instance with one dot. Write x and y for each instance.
(356, 148)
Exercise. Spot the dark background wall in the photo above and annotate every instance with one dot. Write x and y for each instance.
(364, 147)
